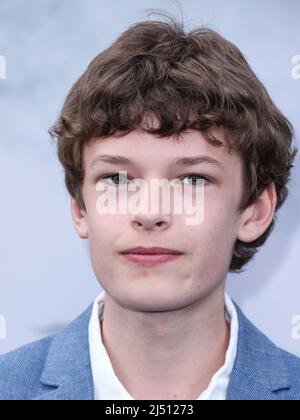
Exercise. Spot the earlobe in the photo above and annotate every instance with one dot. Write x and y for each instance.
(258, 217)
(79, 219)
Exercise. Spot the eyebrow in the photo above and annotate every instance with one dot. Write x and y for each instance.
(184, 161)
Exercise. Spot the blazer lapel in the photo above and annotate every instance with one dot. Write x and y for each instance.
(79, 387)
(67, 373)
(259, 370)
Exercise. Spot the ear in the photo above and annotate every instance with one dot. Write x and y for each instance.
(79, 219)
(257, 218)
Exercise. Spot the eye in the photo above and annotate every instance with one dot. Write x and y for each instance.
(196, 178)
(115, 177)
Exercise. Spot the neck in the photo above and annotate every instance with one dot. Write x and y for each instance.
(168, 355)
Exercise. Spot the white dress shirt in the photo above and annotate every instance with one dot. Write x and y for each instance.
(107, 385)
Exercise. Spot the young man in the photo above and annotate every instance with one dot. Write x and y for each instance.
(161, 103)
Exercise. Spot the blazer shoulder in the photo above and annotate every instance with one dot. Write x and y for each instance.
(262, 369)
(20, 370)
(293, 364)
(38, 368)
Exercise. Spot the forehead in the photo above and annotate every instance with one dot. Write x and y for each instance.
(146, 149)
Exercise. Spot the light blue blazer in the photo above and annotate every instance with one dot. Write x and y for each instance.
(58, 367)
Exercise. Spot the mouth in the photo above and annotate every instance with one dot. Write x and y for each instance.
(150, 256)
(150, 259)
(152, 251)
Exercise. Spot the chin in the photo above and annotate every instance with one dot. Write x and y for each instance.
(155, 300)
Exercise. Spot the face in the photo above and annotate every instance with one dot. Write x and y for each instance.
(207, 248)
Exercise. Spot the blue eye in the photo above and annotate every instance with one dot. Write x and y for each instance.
(196, 179)
(113, 176)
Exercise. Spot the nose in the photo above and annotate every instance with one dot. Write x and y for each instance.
(151, 216)
(151, 222)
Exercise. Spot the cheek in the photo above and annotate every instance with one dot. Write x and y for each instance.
(220, 220)
(100, 225)
(103, 229)
(217, 232)
(220, 209)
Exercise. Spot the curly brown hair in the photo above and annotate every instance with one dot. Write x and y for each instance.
(195, 80)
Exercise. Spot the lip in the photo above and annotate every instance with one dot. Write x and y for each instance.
(150, 260)
(152, 251)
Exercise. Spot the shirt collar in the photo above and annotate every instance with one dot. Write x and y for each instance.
(107, 385)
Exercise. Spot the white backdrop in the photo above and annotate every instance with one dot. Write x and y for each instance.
(46, 277)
